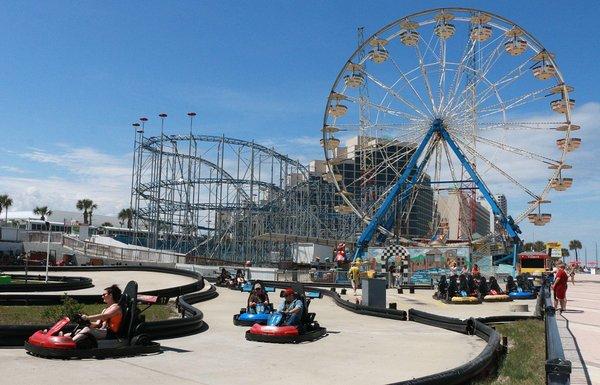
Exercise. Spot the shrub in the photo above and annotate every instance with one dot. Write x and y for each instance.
(69, 307)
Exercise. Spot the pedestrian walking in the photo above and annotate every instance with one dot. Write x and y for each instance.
(560, 288)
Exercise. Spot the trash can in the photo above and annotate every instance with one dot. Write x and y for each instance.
(373, 292)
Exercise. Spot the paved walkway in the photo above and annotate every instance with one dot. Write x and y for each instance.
(358, 350)
(579, 327)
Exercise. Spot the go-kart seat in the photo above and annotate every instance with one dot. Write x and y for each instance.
(510, 284)
(130, 320)
(483, 287)
(452, 287)
(494, 285)
(442, 286)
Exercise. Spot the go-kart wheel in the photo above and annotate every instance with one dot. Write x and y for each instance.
(141, 340)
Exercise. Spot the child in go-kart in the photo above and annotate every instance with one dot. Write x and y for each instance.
(258, 298)
(107, 322)
(291, 308)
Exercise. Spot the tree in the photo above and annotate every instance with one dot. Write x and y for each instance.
(127, 215)
(539, 246)
(528, 246)
(107, 224)
(87, 206)
(564, 252)
(42, 211)
(575, 245)
(5, 203)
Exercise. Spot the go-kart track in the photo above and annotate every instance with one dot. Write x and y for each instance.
(358, 349)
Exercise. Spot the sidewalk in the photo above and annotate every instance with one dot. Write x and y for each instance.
(579, 328)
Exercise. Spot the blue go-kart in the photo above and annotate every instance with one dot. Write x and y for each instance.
(522, 289)
(259, 314)
(254, 314)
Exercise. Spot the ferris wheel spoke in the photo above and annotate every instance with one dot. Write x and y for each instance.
(391, 91)
(386, 110)
(493, 165)
(388, 161)
(410, 84)
(481, 74)
(494, 87)
(467, 53)
(425, 77)
(404, 194)
(442, 81)
(513, 103)
(513, 126)
(513, 149)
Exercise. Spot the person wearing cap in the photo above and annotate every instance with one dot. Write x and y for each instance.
(291, 308)
(258, 297)
(354, 275)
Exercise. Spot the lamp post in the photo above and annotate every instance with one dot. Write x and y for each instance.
(48, 249)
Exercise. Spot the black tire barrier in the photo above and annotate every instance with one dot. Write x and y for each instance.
(54, 284)
(483, 363)
(53, 299)
(439, 321)
(190, 323)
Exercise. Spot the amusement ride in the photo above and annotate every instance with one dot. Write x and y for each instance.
(449, 101)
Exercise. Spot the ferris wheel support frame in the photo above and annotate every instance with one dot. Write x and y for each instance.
(437, 127)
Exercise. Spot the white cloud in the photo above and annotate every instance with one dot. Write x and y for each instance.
(70, 174)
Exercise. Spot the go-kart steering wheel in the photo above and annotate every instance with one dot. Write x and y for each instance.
(78, 319)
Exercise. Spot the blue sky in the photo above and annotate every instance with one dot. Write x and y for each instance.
(74, 76)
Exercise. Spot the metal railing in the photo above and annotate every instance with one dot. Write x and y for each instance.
(42, 237)
(558, 369)
(98, 250)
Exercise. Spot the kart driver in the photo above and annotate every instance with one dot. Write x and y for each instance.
(258, 296)
(109, 321)
(291, 308)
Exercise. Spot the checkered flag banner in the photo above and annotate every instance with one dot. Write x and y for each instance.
(393, 251)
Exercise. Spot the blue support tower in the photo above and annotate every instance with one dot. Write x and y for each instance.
(438, 132)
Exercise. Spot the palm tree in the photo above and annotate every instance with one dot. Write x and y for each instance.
(564, 252)
(528, 246)
(5, 203)
(43, 212)
(87, 206)
(575, 245)
(107, 224)
(539, 246)
(127, 215)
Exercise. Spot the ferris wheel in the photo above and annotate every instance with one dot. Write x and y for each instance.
(448, 101)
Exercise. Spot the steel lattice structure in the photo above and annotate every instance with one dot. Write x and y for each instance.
(223, 198)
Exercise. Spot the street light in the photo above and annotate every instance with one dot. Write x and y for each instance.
(48, 249)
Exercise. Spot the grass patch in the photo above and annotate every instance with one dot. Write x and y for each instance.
(41, 315)
(525, 362)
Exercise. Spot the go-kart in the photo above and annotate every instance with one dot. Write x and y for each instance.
(276, 332)
(523, 289)
(256, 314)
(128, 341)
(259, 314)
(492, 292)
(463, 291)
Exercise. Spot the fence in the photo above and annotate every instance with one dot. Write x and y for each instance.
(92, 249)
(558, 369)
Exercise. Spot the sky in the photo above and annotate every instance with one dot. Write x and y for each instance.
(74, 76)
